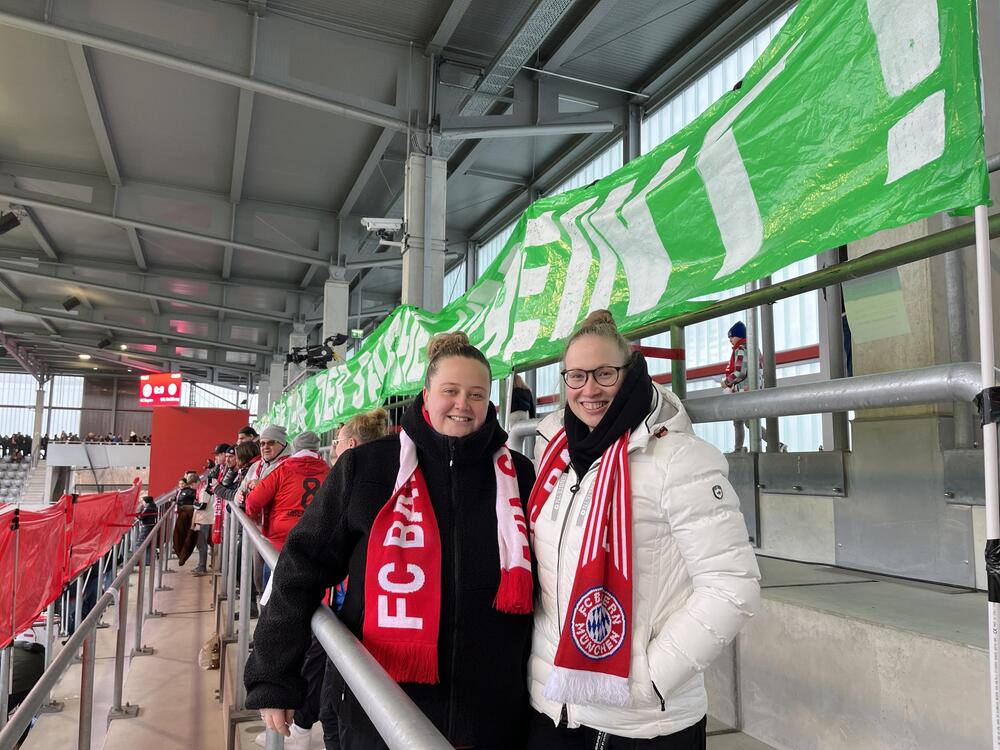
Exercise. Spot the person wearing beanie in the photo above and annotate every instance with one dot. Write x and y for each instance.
(284, 493)
(736, 380)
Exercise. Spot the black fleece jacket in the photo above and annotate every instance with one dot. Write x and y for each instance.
(482, 700)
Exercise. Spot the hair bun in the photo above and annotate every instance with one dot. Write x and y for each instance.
(599, 317)
(447, 343)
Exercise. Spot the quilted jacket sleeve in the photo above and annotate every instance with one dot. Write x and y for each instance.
(706, 523)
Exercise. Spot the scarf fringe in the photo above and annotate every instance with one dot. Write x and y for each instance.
(407, 662)
(515, 594)
(582, 688)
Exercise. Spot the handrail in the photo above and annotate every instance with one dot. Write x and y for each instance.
(402, 725)
(84, 636)
(924, 385)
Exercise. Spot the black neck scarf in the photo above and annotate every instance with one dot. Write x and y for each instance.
(629, 407)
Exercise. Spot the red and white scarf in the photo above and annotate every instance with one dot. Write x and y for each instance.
(595, 644)
(403, 569)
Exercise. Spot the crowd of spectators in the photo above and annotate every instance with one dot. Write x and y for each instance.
(17, 447)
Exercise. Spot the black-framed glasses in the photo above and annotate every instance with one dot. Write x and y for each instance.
(606, 375)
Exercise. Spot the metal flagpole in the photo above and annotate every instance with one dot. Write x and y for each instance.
(984, 278)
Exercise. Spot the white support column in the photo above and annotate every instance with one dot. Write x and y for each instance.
(336, 307)
(263, 396)
(36, 432)
(277, 380)
(297, 338)
(423, 251)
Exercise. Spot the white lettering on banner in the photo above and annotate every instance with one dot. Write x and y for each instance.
(497, 324)
(399, 618)
(404, 535)
(908, 40)
(628, 229)
(909, 50)
(577, 272)
(728, 185)
(415, 583)
(405, 509)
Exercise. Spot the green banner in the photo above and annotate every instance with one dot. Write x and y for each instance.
(859, 116)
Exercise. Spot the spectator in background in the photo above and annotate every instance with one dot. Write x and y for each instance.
(147, 517)
(245, 434)
(284, 493)
(737, 379)
(232, 485)
(186, 499)
(522, 402)
(204, 514)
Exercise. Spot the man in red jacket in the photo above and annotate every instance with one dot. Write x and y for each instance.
(283, 495)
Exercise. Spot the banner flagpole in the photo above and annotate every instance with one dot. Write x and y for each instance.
(984, 280)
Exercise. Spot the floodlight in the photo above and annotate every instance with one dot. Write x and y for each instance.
(104, 343)
(71, 303)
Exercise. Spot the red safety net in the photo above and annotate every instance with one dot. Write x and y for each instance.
(41, 551)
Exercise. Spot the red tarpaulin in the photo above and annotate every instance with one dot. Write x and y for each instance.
(42, 550)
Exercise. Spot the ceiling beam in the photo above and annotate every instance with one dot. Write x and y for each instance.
(524, 131)
(371, 164)
(61, 273)
(95, 111)
(341, 104)
(24, 358)
(584, 27)
(446, 28)
(7, 288)
(88, 263)
(133, 241)
(183, 339)
(38, 231)
(146, 226)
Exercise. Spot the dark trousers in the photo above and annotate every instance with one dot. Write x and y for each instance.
(544, 735)
(322, 693)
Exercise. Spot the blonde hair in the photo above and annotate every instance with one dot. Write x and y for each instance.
(366, 427)
(454, 344)
(519, 382)
(601, 323)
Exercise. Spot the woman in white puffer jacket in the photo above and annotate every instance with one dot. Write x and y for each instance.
(643, 561)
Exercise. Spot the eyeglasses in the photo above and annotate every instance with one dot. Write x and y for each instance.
(605, 375)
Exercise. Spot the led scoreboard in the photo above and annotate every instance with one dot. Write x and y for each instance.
(161, 389)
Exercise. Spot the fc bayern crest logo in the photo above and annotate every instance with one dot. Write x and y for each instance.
(598, 623)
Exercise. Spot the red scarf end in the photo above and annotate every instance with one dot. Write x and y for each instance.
(407, 662)
(515, 593)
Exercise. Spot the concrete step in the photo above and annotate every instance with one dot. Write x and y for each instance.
(837, 659)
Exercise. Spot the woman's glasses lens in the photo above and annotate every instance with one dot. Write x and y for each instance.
(606, 376)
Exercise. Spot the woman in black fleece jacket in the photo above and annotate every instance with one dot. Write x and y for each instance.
(480, 700)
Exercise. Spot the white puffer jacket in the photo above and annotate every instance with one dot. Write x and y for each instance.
(696, 581)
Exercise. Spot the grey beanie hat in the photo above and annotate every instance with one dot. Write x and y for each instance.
(274, 432)
(306, 441)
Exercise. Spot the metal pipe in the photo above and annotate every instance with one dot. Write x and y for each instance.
(167, 545)
(151, 575)
(987, 372)
(753, 369)
(122, 615)
(243, 634)
(770, 367)
(402, 725)
(202, 71)
(87, 690)
(139, 588)
(78, 604)
(231, 566)
(926, 385)
(6, 658)
(958, 336)
(43, 688)
(50, 632)
(678, 367)
(833, 318)
(521, 131)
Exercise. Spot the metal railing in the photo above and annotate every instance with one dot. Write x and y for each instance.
(402, 725)
(85, 633)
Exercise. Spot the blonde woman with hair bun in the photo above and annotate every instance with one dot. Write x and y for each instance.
(644, 566)
(430, 526)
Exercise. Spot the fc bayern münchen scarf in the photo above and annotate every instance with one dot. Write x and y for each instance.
(403, 569)
(595, 645)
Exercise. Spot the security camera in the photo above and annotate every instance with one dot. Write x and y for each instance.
(381, 225)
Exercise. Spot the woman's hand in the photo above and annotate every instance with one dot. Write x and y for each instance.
(278, 719)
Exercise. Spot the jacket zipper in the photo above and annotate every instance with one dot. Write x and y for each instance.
(454, 538)
(663, 705)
